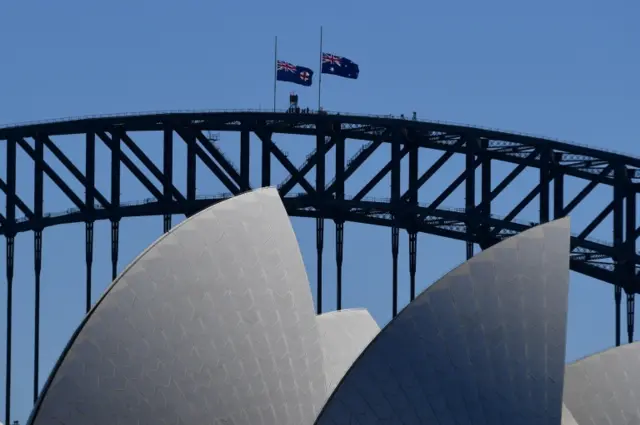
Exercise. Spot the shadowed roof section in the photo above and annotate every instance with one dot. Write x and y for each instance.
(484, 345)
(214, 323)
(344, 335)
(605, 388)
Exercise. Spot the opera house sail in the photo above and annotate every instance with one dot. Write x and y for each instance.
(484, 345)
(214, 324)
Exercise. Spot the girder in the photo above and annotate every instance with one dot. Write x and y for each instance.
(324, 196)
(597, 167)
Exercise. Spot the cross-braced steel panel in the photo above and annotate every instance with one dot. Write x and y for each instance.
(615, 262)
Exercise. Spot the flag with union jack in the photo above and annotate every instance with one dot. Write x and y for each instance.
(340, 66)
(290, 73)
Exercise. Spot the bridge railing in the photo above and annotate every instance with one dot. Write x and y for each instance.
(311, 111)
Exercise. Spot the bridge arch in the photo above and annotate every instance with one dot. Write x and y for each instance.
(616, 262)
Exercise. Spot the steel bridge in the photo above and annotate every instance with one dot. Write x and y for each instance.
(615, 262)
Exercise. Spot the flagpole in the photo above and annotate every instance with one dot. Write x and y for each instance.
(275, 73)
(320, 76)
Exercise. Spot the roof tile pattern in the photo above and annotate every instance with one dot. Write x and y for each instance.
(344, 335)
(212, 324)
(485, 345)
(604, 389)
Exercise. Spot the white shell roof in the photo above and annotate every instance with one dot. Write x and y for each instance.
(344, 335)
(214, 323)
(605, 388)
(484, 345)
(567, 417)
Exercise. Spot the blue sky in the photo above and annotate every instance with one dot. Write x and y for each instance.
(567, 70)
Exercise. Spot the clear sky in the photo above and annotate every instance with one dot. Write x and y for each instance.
(564, 69)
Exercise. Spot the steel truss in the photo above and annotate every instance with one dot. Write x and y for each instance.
(617, 263)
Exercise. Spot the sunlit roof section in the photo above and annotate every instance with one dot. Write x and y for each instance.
(214, 323)
(344, 335)
(605, 388)
(567, 417)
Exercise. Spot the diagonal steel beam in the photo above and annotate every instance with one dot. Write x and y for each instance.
(219, 157)
(380, 175)
(184, 134)
(55, 178)
(596, 221)
(429, 173)
(108, 141)
(356, 161)
(71, 168)
(522, 204)
(507, 180)
(282, 158)
(306, 167)
(19, 202)
(583, 193)
(138, 153)
(454, 185)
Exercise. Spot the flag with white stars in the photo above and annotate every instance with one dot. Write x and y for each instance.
(340, 66)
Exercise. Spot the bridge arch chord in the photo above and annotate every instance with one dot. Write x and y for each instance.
(615, 262)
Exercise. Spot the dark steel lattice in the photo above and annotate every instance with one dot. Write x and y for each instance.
(617, 263)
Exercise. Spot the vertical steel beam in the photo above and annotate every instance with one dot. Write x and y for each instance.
(395, 248)
(320, 186)
(395, 199)
(38, 206)
(618, 198)
(545, 180)
(339, 259)
(115, 245)
(630, 251)
(485, 185)
(166, 223)
(319, 247)
(340, 162)
(167, 174)
(413, 262)
(10, 240)
(245, 157)
(266, 161)
(115, 202)
(191, 169)
(90, 172)
(38, 182)
(88, 249)
(558, 189)
(631, 307)
(413, 236)
(37, 248)
(470, 193)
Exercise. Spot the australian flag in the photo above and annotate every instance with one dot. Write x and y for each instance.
(294, 74)
(340, 66)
